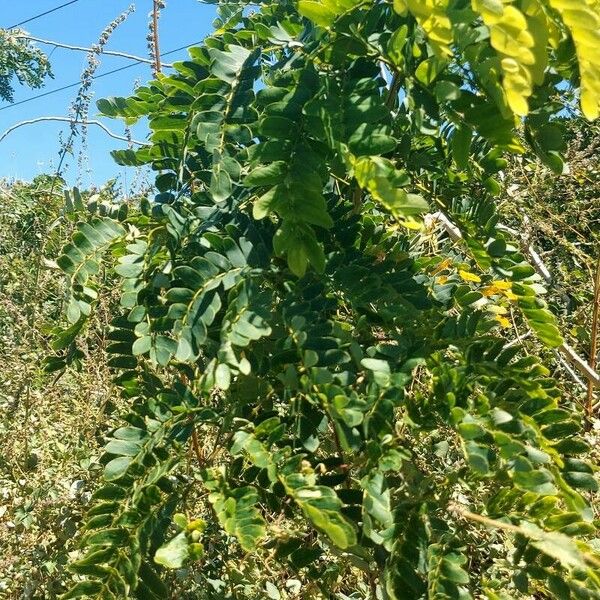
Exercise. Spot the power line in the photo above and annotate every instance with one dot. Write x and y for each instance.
(78, 83)
(43, 14)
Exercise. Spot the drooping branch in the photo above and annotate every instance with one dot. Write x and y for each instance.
(98, 50)
(70, 121)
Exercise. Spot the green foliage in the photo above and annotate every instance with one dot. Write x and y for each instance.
(237, 512)
(20, 59)
(49, 431)
(280, 299)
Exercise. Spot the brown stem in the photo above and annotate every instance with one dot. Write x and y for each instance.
(393, 91)
(217, 446)
(356, 200)
(494, 524)
(594, 341)
(74, 123)
(155, 15)
(196, 447)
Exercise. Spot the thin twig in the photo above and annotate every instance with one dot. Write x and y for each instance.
(514, 323)
(97, 50)
(571, 372)
(217, 446)
(494, 524)
(393, 91)
(471, 516)
(519, 340)
(576, 360)
(594, 342)
(70, 120)
(196, 447)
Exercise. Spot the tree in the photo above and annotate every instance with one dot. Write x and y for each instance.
(21, 59)
(347, 379)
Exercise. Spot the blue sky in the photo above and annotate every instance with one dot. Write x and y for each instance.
(34, 149)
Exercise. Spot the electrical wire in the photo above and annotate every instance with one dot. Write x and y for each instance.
(43, 14)
(72, 85)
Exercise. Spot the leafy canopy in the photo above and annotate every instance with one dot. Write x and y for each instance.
(20, 59)
(351, 376)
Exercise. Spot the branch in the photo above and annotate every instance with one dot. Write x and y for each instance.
(567, 351)
(393, 90)
(594, 334)
(72, 122)
(571, 372)
(155, 16)
(95, 50)
(538, 264)
(576, 360)
(451, 229)
(519, 339)
(537, 536)
(492, 523)
(196, 447)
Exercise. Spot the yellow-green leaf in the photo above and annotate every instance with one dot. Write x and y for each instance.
(433, 18)
(582, 17)
(520, 39)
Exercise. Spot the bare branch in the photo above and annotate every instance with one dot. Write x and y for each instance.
(576, 360)
(594, 335)
(72, 122)
(95, 50)
(567, 367)
(451, 229)
(519, 340)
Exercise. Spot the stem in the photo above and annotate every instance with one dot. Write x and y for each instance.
(493, 524)
(356, 200)
(156, 47)
(594, 341)
(463, 512)
(196, 446)
(393, 91)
